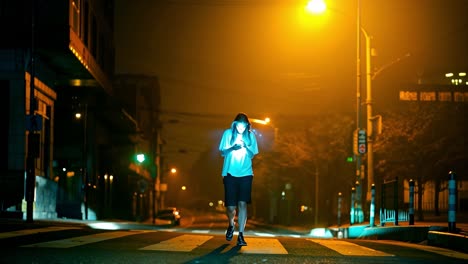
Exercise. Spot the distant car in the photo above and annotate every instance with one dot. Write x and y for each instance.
(171, 214)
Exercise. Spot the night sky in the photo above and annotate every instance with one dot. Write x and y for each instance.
(215, 58)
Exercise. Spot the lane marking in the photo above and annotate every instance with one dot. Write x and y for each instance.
(200, 231)
(34, 231)
(264, 234)
(185, 243)
(83, 240)
(438, 250)
(349, 249)
(263, 246)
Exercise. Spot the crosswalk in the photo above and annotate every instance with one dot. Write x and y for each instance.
(83, 240)
(188, 242)
(349, 249)
(33, 231)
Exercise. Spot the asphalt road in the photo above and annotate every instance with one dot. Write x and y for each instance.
(200, 239)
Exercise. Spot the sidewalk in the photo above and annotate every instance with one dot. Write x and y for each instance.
(433, 232)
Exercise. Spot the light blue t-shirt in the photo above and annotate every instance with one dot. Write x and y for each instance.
(238, 163)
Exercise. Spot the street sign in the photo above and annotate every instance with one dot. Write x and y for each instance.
(360, 141)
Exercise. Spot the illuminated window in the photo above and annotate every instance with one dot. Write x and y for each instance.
(428, 96)
(408, 96)
(460, 97)
(445, 96)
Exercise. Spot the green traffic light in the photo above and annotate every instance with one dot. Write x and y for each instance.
(140, 157)
(349, 159)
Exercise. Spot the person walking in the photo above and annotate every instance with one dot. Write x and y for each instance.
(238, 146)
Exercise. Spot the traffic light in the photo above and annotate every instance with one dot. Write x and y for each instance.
(140, 157)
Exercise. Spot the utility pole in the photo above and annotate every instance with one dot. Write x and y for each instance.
(370, 132)
(358, 109)
(33, 143)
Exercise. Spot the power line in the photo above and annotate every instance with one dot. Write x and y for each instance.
(226, 2)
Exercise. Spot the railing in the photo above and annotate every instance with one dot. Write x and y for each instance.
(388, 216)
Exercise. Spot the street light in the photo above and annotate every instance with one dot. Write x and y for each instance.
(314, 6)
(163, 187)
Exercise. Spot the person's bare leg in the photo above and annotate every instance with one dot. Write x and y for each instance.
(231, 214)
(242, 217)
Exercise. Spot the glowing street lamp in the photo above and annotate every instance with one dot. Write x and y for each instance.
(316, 6)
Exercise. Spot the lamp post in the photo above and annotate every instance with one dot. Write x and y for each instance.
(370, 128)
(358, 194)
(318, 6)
(84, 157)
(163, 188)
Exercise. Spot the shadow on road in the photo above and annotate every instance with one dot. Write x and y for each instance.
(217, 255)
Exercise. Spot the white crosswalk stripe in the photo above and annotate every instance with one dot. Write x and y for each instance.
(34, 231)
(184, 243)
(83, 240)
(348, 248)
(257, 244)
(263, 246)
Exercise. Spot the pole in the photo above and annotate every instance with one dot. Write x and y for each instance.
(358, 102)
(31, 158)
(316, 196)
(370, 132)
(359, 216)
(452, 202)
(411, 202)
(372, 206)
(339, 209)
(85, 160)
(353, 203)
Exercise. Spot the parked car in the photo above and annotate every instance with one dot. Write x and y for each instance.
(171, 214)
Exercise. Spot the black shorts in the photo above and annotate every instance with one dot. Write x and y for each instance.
(237, 189)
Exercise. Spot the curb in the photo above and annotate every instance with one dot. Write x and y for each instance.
(448, 240)
(432, 235)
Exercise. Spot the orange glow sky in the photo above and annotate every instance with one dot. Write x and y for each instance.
(215, 58)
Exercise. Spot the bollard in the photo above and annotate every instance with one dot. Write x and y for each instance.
(372, 206)
(452, 202)
(339, 209)
(411, 202)
(359, 214)
(351, 214)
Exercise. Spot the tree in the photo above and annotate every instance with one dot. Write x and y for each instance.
(303, 152)
(416, 143)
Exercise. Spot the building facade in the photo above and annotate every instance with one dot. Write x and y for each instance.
(69, 139)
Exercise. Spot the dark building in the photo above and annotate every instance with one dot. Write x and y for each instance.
(78, 164)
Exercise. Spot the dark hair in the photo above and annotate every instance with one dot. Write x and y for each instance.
(241, 118)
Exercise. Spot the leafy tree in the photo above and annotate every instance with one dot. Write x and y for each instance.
(317, 147)
(415, 143)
